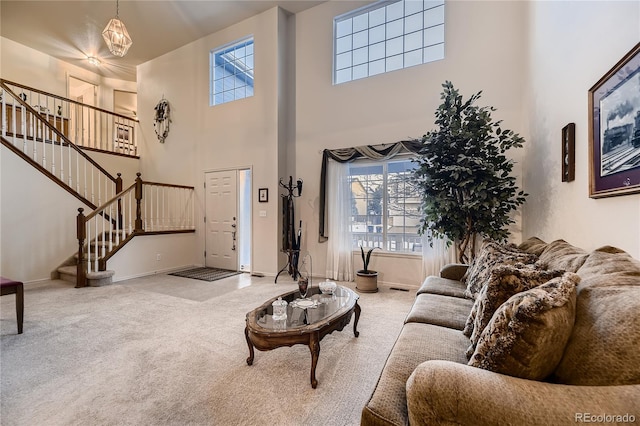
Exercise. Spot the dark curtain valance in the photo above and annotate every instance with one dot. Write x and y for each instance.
(346, 155)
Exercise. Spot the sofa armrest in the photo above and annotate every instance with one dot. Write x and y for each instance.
(453, 271)
(444, 392)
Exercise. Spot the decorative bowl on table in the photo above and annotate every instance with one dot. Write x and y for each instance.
(327, 287)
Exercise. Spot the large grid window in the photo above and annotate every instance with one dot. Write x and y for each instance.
(385, 206)
(387, 36)
(231, 72)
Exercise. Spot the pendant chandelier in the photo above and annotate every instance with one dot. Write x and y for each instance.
(116, 35)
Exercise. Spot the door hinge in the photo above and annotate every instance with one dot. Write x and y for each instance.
(205, 254)
(205, 219)
(204, 184)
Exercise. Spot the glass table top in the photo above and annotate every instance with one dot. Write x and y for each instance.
(316, 309)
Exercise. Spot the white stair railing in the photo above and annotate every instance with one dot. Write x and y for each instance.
(86, 126)
(40, 137)
(145, 208)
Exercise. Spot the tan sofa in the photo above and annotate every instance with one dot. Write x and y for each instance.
(426, 379)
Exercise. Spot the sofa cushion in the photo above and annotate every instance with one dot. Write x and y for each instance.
(416, 344)
(435, 309)
(604, 348)
(491, 255)
(560, 254)
(504, 282)
(443, 286)
(528, 333)
(533, 245)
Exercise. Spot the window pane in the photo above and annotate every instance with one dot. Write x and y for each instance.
(413, 58)
(433, 53)
(376, 34)
(428, 4)
(376, 51)
(385, 206)
(395, 11)
(360, 22)
(394, 46)
(344, 27)
(412, 6)
(394, 63)
(376, 17)
(376, 67)
(413, 23)
(413, 41)
(434, 17)
(360, 39)
(394, 29)
(343, 75)
(434, 35)
(343, 44)
(360, 56)
(360, 71)
(233, 72)
(343, 60)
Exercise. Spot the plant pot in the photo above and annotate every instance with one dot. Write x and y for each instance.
(367, 282)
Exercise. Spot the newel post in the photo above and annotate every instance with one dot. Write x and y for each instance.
(118, 191)
(81, 278)
(138, 222)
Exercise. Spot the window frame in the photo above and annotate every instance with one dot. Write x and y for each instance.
(364, 162)
(212, 71)
(386, 60)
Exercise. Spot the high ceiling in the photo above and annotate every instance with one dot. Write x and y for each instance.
(72, 30)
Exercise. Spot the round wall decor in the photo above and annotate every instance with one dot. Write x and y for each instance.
(162, 119)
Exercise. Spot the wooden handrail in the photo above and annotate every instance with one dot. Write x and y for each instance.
(135, 226)
(56, 131)
(22, 86)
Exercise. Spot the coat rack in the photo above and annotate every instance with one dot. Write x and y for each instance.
(290, 238)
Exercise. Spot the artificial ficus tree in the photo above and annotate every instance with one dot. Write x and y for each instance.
(464, 176)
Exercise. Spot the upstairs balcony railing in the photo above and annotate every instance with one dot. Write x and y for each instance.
(86, 126)
(35, 131)
(145, 208)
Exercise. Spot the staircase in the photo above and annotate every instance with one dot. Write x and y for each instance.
(51, 133)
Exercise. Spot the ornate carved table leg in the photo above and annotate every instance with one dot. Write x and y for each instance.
(314, 347)
(355, 321)
(246, 335)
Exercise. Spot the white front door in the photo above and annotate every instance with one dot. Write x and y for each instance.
(221, 219)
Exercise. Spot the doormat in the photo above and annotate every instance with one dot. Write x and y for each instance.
(205, 274)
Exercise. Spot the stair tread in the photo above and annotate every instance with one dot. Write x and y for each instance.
(73, 270)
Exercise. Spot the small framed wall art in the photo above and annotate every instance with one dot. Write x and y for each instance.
(614, 129)
(263, 195)
(569, 152)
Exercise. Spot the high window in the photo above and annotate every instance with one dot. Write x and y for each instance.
(387, 36)
(231, 72)
(385, 205)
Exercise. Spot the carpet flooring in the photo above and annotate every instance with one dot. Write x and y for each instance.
(126, 355)
(205, 274)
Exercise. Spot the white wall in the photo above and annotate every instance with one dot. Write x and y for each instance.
(139, 257)
(37, 221)
(24, 65)
(237, 134)
(485, 44)
(572, 45)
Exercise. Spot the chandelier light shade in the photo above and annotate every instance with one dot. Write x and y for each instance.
(116, 35)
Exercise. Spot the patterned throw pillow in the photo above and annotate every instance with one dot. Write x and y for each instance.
(504, 282)
(559, 254)
(533, 245)
(492, 254)
(527, 335)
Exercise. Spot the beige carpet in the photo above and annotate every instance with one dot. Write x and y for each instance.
(136, 353)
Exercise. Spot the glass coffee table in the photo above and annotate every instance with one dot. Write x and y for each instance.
(307, 322)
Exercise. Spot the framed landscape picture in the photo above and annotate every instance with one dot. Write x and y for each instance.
(614, 129)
